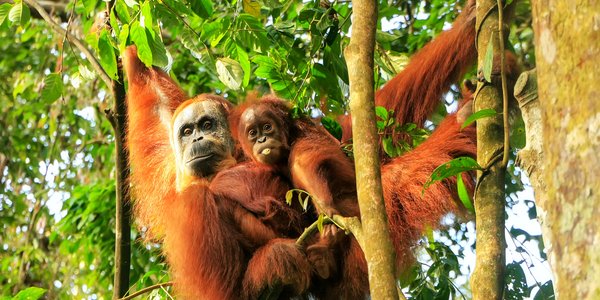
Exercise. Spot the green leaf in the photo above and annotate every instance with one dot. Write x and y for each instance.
(190, 42)
(251, 7)
(31, 293)
(452, 168)
(463, 194)
(53, 88)
(289, 196)
(147, 15)
(304, 202)
(488, 61)
(320, 221)
(123, 37)
(382, 113)
(332, 126)
(19, 14)
(245, 64)
(230, 72)
(202, 8)
(89, 6)
(108, 60)
(114, 24)
(159, 52)
(389, 147)
(484, 113)
(4, 10)
(123, 11)
(139, 38)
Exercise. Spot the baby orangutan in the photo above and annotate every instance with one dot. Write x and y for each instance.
(310, 157)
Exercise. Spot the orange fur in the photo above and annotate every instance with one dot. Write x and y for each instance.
(409, 210)
(415, 92)
(192, 219)
(150, 153)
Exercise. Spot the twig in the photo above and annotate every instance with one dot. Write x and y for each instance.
(348, 224)
(91, 58)
(147, 289)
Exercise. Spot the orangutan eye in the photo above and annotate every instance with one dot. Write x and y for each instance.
(207, 125)
(267, 127)
(187, 131)
(252, 133)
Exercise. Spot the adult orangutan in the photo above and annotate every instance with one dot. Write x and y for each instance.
(216, 248)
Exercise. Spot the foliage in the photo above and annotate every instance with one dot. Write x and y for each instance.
(389, 130)
(57, 154)
(435, 280)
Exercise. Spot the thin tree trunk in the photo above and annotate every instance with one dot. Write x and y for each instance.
(123, 204)
(568, 55)
(487, 281)
(118, 118)
(375, 237)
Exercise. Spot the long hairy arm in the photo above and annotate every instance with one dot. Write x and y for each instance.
(152, 97)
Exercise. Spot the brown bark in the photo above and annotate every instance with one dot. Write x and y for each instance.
(568, 55)
(375, 238)
(118, 118)
(487, 281)
(123, 203)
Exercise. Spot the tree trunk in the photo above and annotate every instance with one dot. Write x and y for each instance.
(568, 55)
(487, 281)
(375, 236)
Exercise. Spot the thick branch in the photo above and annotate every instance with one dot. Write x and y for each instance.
(487, 281)
(375, 242)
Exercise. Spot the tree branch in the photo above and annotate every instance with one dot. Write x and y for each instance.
(374, 237)
(487, 281)
(56, 27)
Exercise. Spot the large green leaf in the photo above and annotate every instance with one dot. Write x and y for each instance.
(203, 8)
(159, 53)
(138, 35)
(19, 14)
(452, 168)
(53, 88)
(147, 15)
(4, 10)
(122, 11)
(484, 113)
(244, 63)
(108, 60)
(230, 72)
